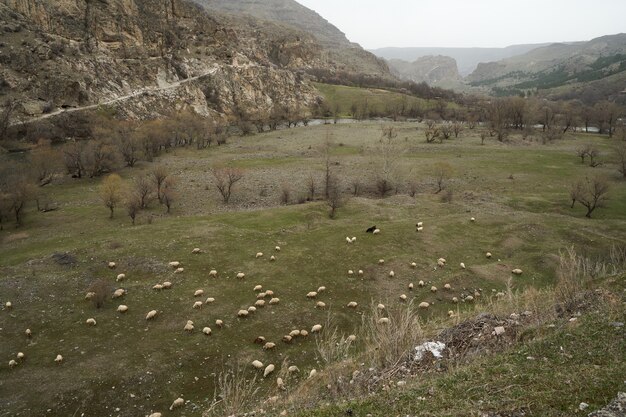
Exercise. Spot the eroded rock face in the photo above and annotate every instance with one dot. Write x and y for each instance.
(617, 408)
(146, 58)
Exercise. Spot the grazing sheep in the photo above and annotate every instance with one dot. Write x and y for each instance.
(383, 320)
(260, 303)
(274, 301)
(120, 277)
(350, 272)
(517, 271)
(258, 288)
(213, 273)
(119, 293)
(411, 286)
(488, 255)
(392, 274)
(210, 300)
(28, 333)
(371, 229)
(421, 283)
(380, 306)
(312, 373)
(293, 368)
(269, 293)
(348, 240)
(251, 309)
(207, 331)
(500, 295)
(174, 264)
(287, 338)
(424, 305)
(12, 363)
(122, 308)
(277, 248)
(196, 251)
(58, 359)
(441, 263)
(269, 346)
(351, 338)
(375, 232)
(304, 333)
(272, 258)
(447, 287)
(419, 229)
(268, 370)
(403, 297)
(167, 285)
(320, 304)
(413, 265)
(316, 328)
(179, 270)
(420, 224)
(311, 294)
(455, 300)
(261, 295)
(469, 299)
(321, 289)
(158, 287)
(198, 293)
(450, 313)
(111, 265)
(197, 304)
(353, 239)
(219, 323)
(259, 340)
(189, 326)
(178, 402)
(472, 219)
(476, 294)
(360, 272)
(381, 262)
(433, 289)
(353, 304)
(259, 255)
(91, 322)
(20, 355)
(151, 314)
(294, 333)
(280, 383)
(242, 313)
(88, 296)
(155, 415)
(462, 265)
(241, 275)
(258, 364)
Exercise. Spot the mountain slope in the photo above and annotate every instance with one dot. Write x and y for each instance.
(147, 58)
(437, 71)
(339, 52)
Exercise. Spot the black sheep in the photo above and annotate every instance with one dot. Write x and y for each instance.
(371, 229)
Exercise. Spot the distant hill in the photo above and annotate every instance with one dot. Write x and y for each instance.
(466, 58)
(559, 69)
(340, 52)
(437, 71)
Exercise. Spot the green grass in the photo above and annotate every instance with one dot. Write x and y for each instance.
(524, 222)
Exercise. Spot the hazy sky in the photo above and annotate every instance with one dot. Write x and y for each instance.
(463, 23)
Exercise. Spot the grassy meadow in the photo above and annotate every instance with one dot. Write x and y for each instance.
(127, 366)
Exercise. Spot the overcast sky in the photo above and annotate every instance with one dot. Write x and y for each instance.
(466, 23)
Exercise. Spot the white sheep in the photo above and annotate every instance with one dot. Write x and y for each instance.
(122, 308)
(441, 263)
(91, 322)
(353, 239)
(155, 415)
(207, 331)
(293, 368)
(12, 363)
(420, 224)
(383, 320)
(151, 314)
(280, 383)
(316, 328)
(447, 287)
(381, 307)
(88, 296)
(241, 275)
(196, 251)
(360, 272)
(259, 255)
(251, 309)
(119, 293)
(274, 301)
(424, 305)
(403, 297)
(198, 293)
(320, 304)
(179, 270)
(189, 327)
(392, 274)
(120, 277)
(321, 289)
(269, 346)
(28, 333)
(294, 333)
(376, 231)
(421, 283)
(259, 303)
(258, 364)
(413, 265)
(213, 273)
(433, 289)
(242, 313)
(311, 294)
(304, 333)
(462, 265)
(272, 258)
(167, 285)
(353, 304)
(420, 229)
(350, 272)
(111, 265)
(268, 370)
(277, 248)
(219, 323)
(472, 219)
(410, 286)
(351, 338)
(517, 271)
(174, 264)
(258, 288)
(269, 293)
(455, 300)
(488, 255)
(158, 287)
(178, 402)
(287, 338)
(381, 262)
(58, 359)
(197, 305)
(450, 313)
(261, 295)
(469, 299)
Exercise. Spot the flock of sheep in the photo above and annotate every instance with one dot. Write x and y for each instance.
(267, 297)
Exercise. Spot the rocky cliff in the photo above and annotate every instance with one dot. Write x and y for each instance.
(146, 58)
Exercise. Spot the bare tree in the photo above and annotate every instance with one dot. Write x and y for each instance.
(225, 180)
(327, 154)
(44, 163)
(16, 189)
(441, 173)
(335, 199)
(388, 154)
(100, 289)
(111, 192)
(620, 152)
(73, 158)
(593, 193)
(575, 191)
(132, 205)
(593, 153)
(159, 174)
(432, 134)
(583, 152)
(312, 187)
(142, 188)
(168, 193)
(457, 128)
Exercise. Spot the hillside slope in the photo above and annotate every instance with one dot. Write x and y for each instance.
(437, 71)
